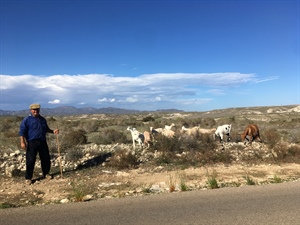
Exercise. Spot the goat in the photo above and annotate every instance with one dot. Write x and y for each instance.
(207, 131)
(147, 138)
(156, 130)
(168, 133)
(136, 137)
(169, 127)
(190, 131)
(223, 130)
(252, 132)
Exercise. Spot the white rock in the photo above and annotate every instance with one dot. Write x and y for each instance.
(65, 200)
(87, 198)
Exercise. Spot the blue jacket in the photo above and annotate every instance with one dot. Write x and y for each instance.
(34, 128)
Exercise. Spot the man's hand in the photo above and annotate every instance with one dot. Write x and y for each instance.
(23, 143)
(23, 146)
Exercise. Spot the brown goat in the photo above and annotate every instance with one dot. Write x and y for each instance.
(147, 140)
(252, 132)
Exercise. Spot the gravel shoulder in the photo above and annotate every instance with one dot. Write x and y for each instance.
(96, 183)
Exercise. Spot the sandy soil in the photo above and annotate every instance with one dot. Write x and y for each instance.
(98, 184)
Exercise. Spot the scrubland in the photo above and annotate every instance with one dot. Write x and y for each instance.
(93, 156)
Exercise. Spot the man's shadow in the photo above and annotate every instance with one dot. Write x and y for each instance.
(93, 162)
(97, 160)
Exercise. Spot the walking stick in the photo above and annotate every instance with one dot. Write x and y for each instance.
(59, 158)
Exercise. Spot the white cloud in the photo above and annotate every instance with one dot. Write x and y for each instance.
(56, 101)
(158, 99)
(131, 99)
(103, 100)
(162, 90)
(106, 100)
(266, 79)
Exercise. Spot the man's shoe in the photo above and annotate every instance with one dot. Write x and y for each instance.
(48, 177)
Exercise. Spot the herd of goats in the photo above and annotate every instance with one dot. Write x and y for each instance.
(250, 133)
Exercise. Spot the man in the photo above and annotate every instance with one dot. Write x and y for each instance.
(33, 130)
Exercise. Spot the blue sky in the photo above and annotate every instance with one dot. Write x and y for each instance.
(149, 55)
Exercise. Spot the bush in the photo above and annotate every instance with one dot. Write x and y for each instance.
(148, 119)
(123, 160)
(284, 153)
(193, 150)
(165, 144)
(249, 180)
(74, 154)
(294, 151)
(74, 138)
(90, 126)
(212, 180)
(111, 136)
(271, 137)
(190, 143)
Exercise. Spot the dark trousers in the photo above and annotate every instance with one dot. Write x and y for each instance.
(33, 148)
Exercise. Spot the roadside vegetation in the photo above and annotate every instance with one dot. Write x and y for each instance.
(280, 134)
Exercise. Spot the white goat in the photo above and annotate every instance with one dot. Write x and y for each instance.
(169, 127)
(223, 130)
(136, 137)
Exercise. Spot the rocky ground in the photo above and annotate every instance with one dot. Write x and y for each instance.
(88, 183)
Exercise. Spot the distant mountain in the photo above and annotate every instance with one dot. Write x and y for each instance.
(70, 110)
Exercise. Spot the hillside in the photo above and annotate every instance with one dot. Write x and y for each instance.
(107, 166)
(70, 110)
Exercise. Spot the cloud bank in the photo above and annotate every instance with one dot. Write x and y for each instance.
(186, 91)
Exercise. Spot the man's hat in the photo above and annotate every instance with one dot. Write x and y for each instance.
(35, 106)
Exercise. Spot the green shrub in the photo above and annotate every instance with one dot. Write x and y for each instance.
(249, 180)
(111, 136)
(148, 119)
(6, 205)
(183, 185)
(212, 180)
(276, 179)
(73, 138)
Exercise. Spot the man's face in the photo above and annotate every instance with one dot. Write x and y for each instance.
(35, 112)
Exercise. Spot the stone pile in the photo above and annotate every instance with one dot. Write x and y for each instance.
(11, 164)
